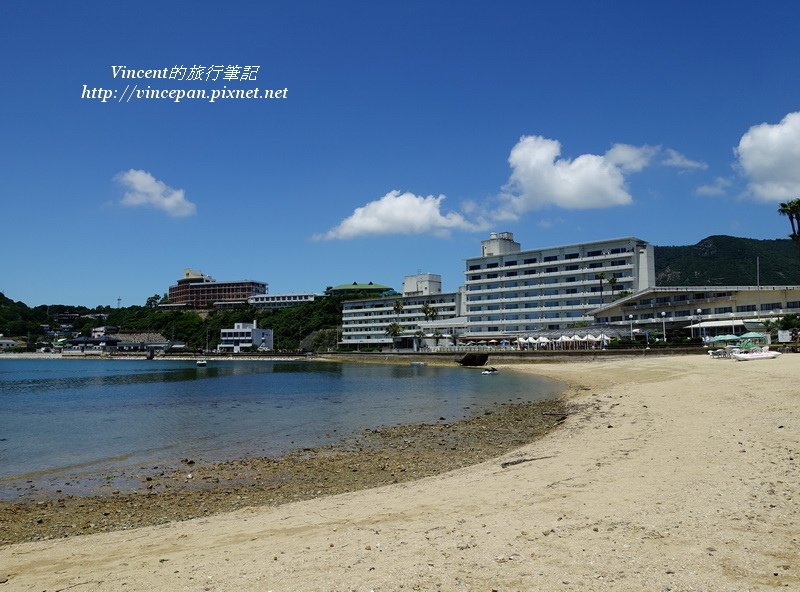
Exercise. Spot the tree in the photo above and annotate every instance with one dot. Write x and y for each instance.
(427, 310)
(394, 330)
(436, 337)
(419, 334)
(612, 283)
(152, 301)
(791, 210)
(398, 308)
(601, 276)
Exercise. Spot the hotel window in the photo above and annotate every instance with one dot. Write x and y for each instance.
(528, 261)
(550, 258)
(594, 253)
(746, 308)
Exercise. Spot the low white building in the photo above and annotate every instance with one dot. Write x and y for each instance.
(245, 336)
(280, 300)
(365, 321)
(7, 343)
(700, 310)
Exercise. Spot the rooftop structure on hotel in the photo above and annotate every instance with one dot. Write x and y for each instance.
(197, 290)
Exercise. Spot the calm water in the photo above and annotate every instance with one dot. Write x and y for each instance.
(70, 415)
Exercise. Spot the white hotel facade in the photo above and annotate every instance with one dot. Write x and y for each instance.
(364, 322)
(508, 290)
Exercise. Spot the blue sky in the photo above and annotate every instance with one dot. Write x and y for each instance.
(409, 132)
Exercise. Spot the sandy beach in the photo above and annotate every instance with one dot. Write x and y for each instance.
(669, 473)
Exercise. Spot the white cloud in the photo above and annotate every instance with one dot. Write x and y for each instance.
(631, 158)
(718, 187)
(540, 178)
(400, 213)
(678, 160)
(769, 155)
(145, 190)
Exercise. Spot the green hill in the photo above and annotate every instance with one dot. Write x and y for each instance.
(728, 261)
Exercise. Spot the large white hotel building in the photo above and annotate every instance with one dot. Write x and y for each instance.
(508, 290)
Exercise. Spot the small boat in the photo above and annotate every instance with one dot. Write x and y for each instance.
(491, 370)
(419, 363)
(202, 362)
(763, 354)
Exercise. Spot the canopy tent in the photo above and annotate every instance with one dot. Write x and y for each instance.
(753, 335)
(719, 338)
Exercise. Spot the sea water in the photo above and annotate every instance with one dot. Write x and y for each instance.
(96, 415)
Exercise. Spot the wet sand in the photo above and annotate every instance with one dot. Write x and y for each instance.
(149, 495)
(668, 473)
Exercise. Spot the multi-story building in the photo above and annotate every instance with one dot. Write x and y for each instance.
(355, 288)
(509, 291)
(196, 290)
(702, 310)
(280, 300)
(365, 321)
(245, 335)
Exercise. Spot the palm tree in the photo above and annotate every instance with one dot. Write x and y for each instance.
(394, 330)
(418, 335)
(791, 209)
(612, 283)
(398, 308)
(427, 310)
(601, 276)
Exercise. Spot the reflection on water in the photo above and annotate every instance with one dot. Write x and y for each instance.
(56, 414)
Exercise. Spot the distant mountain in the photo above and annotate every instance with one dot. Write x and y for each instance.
(728, 261)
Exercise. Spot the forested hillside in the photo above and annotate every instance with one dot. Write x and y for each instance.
(728, 261)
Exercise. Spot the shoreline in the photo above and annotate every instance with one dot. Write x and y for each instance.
(667, 474)
(145, 496)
